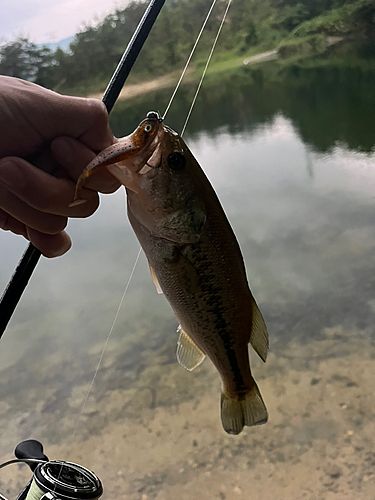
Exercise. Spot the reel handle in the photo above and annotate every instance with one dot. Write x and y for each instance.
(30, 449)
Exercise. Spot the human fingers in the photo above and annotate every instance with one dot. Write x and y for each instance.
(73, 157)
(35, 115)
(9, 223)
(46, 223)
(96, 135)
(80, 118)
(51, 245)
(37, 198)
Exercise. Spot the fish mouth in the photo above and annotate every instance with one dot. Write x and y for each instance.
(154, 162)
(150, 158)
(126, 158)
(141, 163)
(149, 154)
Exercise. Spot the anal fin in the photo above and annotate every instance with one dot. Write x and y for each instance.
(188, 354)
(259, 334)
(155, 280)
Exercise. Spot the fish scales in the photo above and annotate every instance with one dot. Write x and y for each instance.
(195, 260)
(207, 290)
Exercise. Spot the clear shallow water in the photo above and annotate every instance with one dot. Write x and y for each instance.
(294, 167)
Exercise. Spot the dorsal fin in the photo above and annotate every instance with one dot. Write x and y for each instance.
(155, 280)
(259, 334)
(188, 354)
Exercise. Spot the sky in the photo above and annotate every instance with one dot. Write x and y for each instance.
(49, 21)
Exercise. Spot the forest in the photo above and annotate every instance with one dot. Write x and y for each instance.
(294, 28)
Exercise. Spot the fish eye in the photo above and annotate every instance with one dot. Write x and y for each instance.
(148, 128)
(176, 161)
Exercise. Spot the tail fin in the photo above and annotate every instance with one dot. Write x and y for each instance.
(236, 413)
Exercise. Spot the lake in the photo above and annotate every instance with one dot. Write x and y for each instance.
(291, 155)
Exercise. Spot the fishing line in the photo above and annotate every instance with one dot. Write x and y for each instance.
(103, 351)
(106, 342)
(189, 58)
(205, 68)
(183, 130)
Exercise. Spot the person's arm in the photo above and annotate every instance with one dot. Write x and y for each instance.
(46, 141)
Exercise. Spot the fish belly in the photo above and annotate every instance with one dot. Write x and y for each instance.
(205, 284)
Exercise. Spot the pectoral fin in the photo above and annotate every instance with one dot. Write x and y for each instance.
(259, 334)
(188, 354)
(155, 280)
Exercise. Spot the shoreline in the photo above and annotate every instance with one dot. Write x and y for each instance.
(317, 444)
(169, 81)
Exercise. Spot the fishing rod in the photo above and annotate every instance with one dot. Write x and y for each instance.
(30, 258)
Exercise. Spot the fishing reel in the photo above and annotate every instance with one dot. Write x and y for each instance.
(54, 480)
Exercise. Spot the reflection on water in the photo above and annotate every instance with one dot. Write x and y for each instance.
(326, 105)
(293, 163)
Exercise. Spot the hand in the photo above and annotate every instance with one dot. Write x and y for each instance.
(46, 141)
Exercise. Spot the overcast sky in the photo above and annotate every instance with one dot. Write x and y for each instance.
(50, 20)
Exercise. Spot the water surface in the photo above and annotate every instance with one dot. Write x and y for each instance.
(292, 159)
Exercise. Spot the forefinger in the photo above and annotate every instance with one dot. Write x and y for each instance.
(73, 157)
(41, 191)
(85, 120)
(37, 116)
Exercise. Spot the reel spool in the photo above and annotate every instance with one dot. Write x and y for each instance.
(64, 481)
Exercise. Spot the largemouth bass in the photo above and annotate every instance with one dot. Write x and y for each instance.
(194, 258)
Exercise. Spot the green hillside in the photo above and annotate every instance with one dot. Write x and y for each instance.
(297, 29)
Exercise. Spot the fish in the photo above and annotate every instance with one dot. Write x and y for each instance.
(194, 259)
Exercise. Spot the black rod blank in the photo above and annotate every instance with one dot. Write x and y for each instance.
(131, 53)
(30, 258)
(17, 285)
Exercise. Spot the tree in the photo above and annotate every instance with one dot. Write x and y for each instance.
(23, 59)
